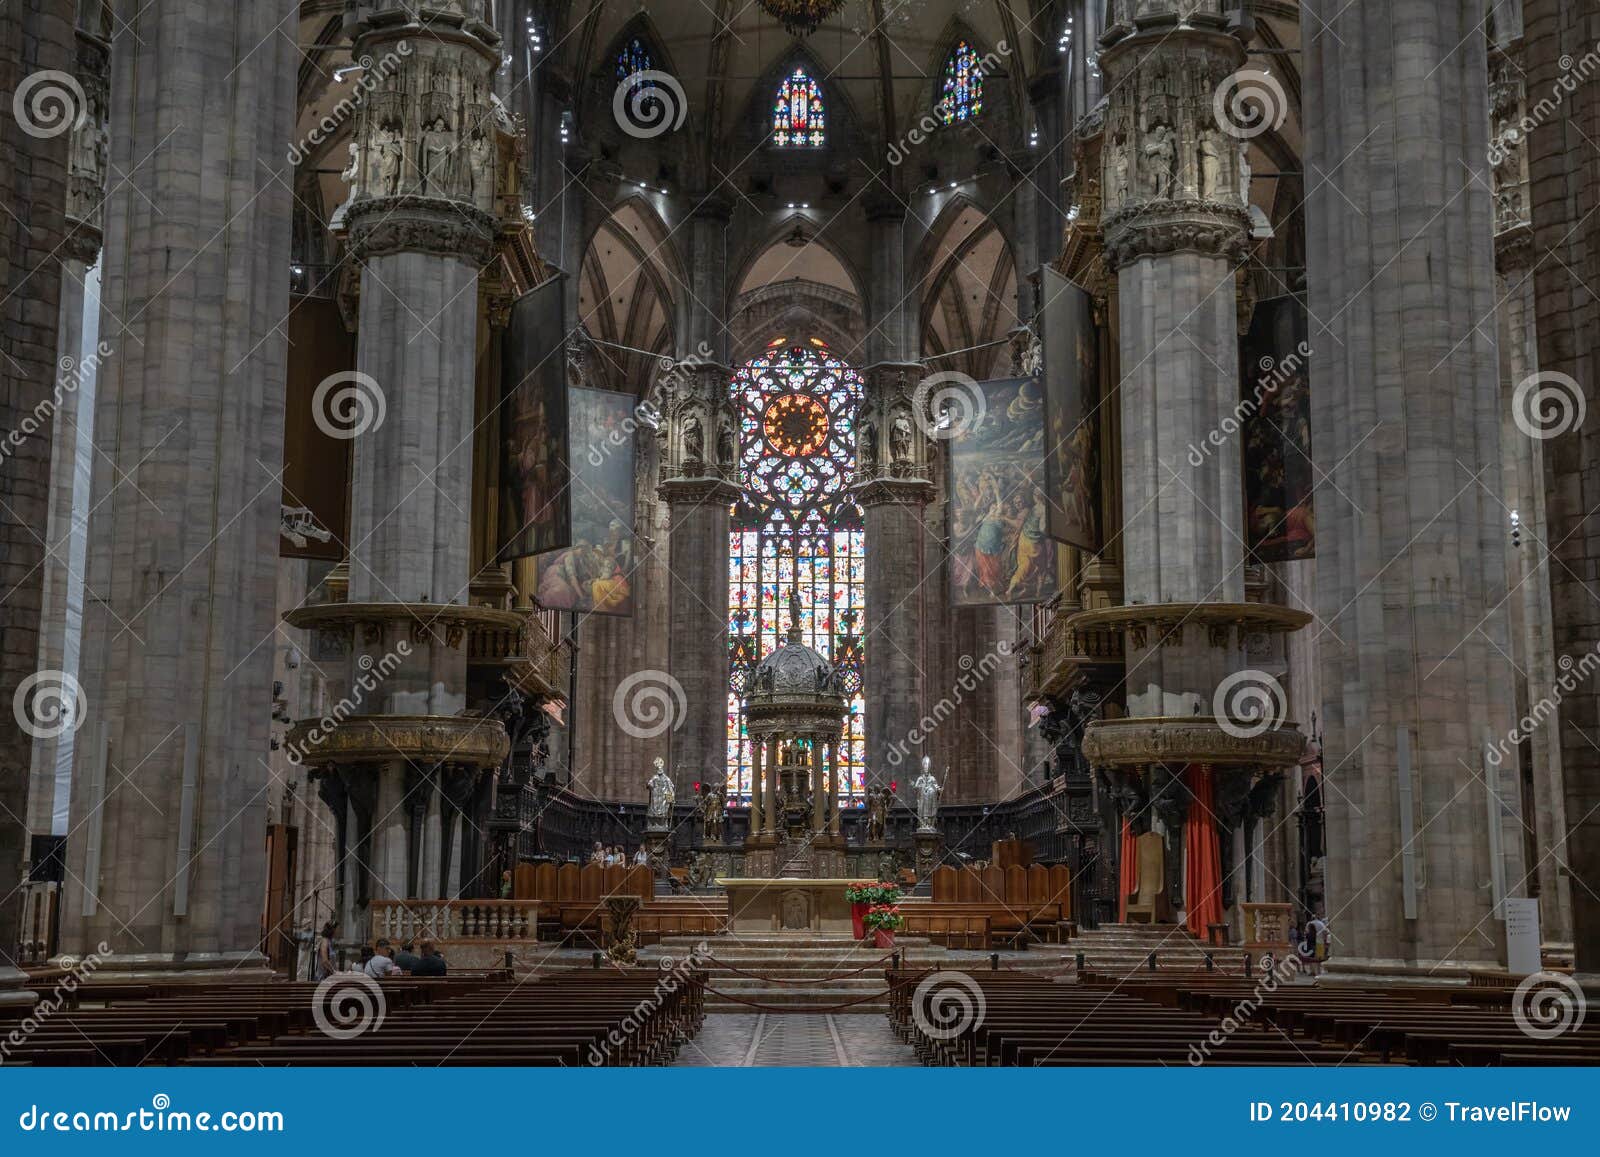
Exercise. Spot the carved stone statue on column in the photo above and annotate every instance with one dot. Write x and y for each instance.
(900, 436)
(727, 441)
(866, 447)
(663, 795)
(1159, 156)
(694, 439)
(928, 790)
(1211, 178)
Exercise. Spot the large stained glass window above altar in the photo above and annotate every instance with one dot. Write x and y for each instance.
(799, 119)
(796, 530)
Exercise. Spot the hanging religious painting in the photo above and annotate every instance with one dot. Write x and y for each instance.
(1000, 544)
(595, 575)
(1274, 361)
(1072, 394)
(535, 502)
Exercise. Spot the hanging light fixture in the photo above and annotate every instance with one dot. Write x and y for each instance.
(802, 17)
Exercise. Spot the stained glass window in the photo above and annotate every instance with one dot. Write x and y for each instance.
(796, 527)
(798, 116)
(634, 57)
(962, 98)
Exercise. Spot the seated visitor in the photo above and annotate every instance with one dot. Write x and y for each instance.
(381, 963)
(431, 964)
(406, 959)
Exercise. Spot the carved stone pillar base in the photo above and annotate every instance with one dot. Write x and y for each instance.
(828, 858)
(760, 857)
(930, 850)
(15, 1001)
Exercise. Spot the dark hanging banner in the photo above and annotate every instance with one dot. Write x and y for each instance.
(1274, 361)
(535, 490)
(595, 574)
(1072, 394)
(1000, 544)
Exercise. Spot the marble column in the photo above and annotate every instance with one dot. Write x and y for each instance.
(698, 474)
(1522, 486)
(1566, 236)
(34, 145)
(892, 483)
(1411, 563)
(79, 356)
(1174, 234)
(422, 223)
(170, 774)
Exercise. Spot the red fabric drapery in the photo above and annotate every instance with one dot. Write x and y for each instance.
(1202, 875)
(1127, 871)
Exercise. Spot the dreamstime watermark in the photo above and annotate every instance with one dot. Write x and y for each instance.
(373, 673)
(675, 376)
(52, 1004)
(674, 975)
(50, 102)
(1548, 404)
(1548, 1004)
(160, 1117)
(948, 405)
(973, 674)
(1573, 73)
(649, 703)
(49, 704)
(649, 103)
(948, 1003)
(1249, 703)
(348, 404)
(1274, 373)
(373, 74)
(73, 373)
(1573, 674)
(1249, 103)
(348, 1004)
(942, 114)
(1271, 980)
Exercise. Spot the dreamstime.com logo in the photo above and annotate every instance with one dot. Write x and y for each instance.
(348, 1004)
(674, 975)
(1249, 703)
(1547, 405)
(974, 672)
(48, 1006)
(1249, 103)
(649, 703)
(1547, 1005)
(48, 103)
(160, 1117)
(947, 1004)
(949, 405)
(373, 673)
(71, 378)
(49, 704)
(649, 104)
(348, 404)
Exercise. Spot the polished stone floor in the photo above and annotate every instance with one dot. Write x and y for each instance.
(761, 1040)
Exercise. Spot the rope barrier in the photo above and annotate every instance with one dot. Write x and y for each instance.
(797, 1008)
(804, 980)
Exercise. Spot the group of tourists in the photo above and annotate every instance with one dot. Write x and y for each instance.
(380, 959)
(613, 855)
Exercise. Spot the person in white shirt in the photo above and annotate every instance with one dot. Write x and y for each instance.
(641, 858)
(382, 963)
